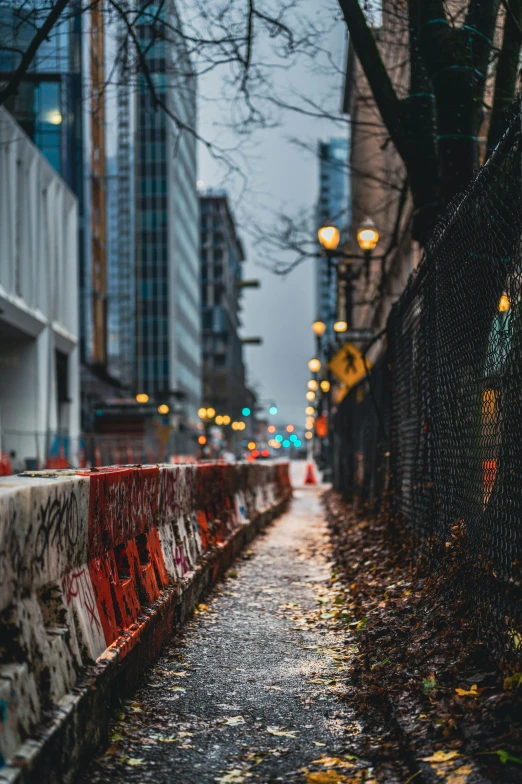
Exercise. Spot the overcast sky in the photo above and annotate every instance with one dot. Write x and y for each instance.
(280, 177)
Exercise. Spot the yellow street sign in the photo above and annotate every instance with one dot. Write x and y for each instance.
(348, 365)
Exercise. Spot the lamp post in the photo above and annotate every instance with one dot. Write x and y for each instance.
(367, 239)
(329, 238)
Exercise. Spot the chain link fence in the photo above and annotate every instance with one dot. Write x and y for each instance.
(439, 443)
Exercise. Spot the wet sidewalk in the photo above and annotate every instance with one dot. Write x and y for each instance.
(250, 690)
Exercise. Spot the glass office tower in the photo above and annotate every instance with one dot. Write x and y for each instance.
(168, 328)
(48, 102)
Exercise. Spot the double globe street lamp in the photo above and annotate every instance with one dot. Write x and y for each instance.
(329, 237)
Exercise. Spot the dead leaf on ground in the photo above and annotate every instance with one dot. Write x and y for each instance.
(441, 756)
(473, 692)
(333, 762)
(281, 733)
(457, 776)
(135, 761)
(235, 776)
(232, 721)
(326, 777)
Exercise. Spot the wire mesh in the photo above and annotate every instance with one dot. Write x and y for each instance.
(454, 401)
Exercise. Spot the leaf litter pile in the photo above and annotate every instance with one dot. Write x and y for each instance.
(434, 704)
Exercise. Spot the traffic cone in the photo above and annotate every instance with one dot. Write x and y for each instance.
(310, 475)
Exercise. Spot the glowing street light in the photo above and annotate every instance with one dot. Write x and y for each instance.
(329, 236)
(319, 328)
(211, 413)
(142, 397)
(202, 413)
(163, 409)
(367, 235)
(310, 396)
(313, 385)
(325, 385)
(504, 304)
(340, 326)
(309, 435)
(310, 410)
(314, 365)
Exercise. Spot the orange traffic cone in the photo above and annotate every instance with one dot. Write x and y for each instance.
(310, 475)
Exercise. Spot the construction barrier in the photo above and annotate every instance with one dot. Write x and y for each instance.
(88, 559)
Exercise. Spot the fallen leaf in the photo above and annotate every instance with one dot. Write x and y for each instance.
(326, 777)
(116, 737)
(233, 720)
(166, 738)
(281, 733)
(176, 688)
(441, 756)
(381, 663)
(318, 743)
(274, 688)
(473, 692)
(513, 681)
(333, 762)
(135, 761)
(428, 684)
(505, 756)
(459, 775)
(233, 777)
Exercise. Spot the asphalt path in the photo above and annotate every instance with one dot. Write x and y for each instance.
(248, 691)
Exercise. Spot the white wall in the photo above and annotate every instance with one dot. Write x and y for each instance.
(38, 297)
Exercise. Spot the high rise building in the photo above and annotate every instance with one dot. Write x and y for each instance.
(333, 205)
(60, 106)
(222, 256)
(168, 319)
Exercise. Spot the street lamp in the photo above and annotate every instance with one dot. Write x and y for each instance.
(329, 236)
(319, 328)
(367, 235)
(314, 366)
(325, 385)
(340, 326)
(313, 385)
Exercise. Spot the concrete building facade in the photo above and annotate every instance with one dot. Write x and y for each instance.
(39, 326)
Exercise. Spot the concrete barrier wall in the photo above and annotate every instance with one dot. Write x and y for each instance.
(89, 560)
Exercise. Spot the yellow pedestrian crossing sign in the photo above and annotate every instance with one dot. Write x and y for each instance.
(348, 365)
